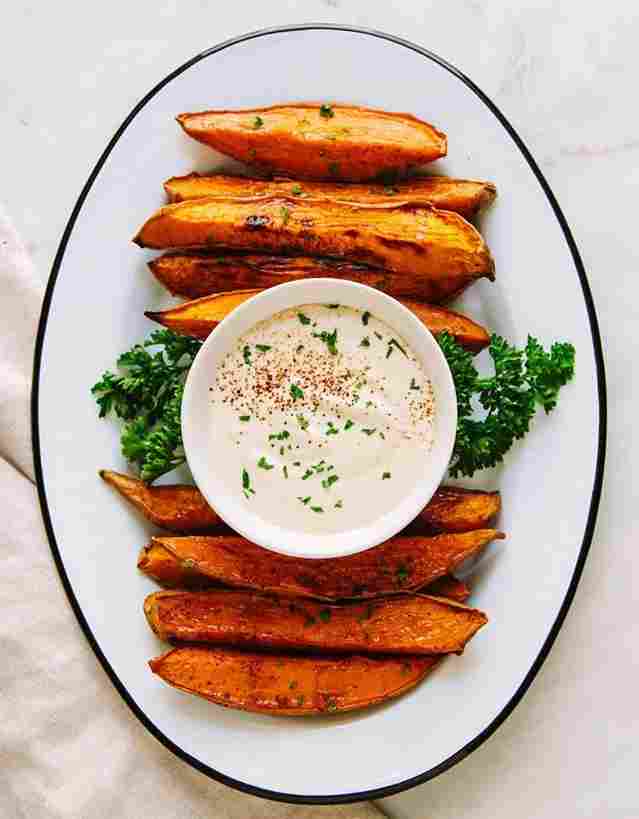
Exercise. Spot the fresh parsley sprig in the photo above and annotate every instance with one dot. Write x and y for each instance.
(146, 393)
(522, 380)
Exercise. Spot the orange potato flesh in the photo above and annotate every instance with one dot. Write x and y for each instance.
(464, 196)
(200, 317)
(284, 685)
(399, 565)
(438, 248)
(449, 587)
(178, 507)
(453, 509)
(193, 275)
(351, 143)
(182, 508)
(392, 625)
(168, 568)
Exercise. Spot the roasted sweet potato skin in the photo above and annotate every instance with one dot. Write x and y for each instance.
(393, 625)
(200, 317)
(193, 275)
(399, 565)
(431, 245)
(351, 143)
(453, 509)
(284, 685)
(181, 508)
(178, 507)
(464, 196)
(449, 587)
(165, 567)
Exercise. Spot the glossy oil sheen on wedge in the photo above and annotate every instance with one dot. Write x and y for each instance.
(410, 624)
(431, 245)
(286, 685)
(401, 564)
(318, 140)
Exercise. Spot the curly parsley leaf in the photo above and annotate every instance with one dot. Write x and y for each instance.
(522, 379)
(145, 391)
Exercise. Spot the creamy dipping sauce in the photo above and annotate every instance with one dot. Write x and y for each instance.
(322, 418)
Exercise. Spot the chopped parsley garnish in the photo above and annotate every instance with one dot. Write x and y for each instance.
(306, 500)
(331, 704)
(296, 190)
(279, 436)
(326, 111)
(391, 346)
(246, 353)
(264, 464)
(332, 306)
(414, 385)
(382, 436)
(308, 474)
(316, 509)
(324, 615)
(365, 342)
(365, 317)
(281, 450)
(303, 422)
(297, 463)
(245, 417)
(296, 392)
(330, 339)
(369, 431)
(319, 467)
(339, 504)
(303, 319)
(332, 429)
(246, 484)
(285, 471)
(333, 168)
(349, 424)
(299, 348)
(257, 123)
(402, 573)
(379, 336)
(263, 348)
(286, 214)
(386, 476)
(328, 482)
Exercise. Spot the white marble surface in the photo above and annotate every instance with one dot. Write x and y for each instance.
(566, 76)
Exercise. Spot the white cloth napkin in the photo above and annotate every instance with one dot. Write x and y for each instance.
(69, 747)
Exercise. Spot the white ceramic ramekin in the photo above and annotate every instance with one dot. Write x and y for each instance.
(196, 418)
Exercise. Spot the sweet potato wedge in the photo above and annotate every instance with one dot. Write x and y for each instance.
(416, 624)
(315, 141)
(399, 565)
(464, 196)
(193, 275)
(200, 317)
(449, 587)
(289, 685)
(178, 507)
(182, 508)
(453, 509)
(164, 566)
(434, 246)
